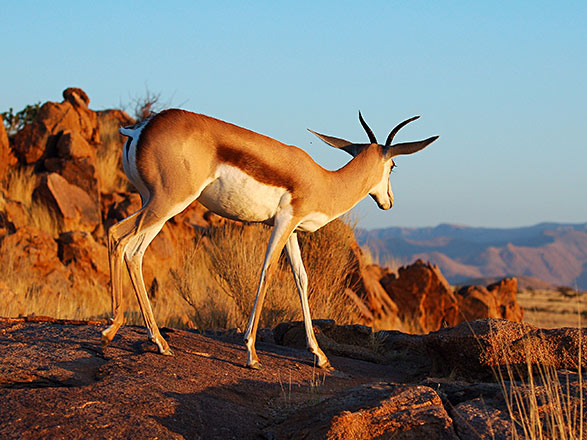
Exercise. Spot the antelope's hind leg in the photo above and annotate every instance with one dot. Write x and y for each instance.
(118, 238)
(128, 240)
(134, 262)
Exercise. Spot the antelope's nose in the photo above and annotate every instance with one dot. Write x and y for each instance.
(386, 206)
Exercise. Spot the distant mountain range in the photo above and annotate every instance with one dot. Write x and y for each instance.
(552, 252)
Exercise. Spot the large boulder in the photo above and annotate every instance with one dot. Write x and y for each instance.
(478, 349)
(72, 206)
(424, 298)
(75, 161)
(475, 350)
(39, 138)
(498, 300)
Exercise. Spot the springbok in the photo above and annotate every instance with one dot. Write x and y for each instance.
(176, 157)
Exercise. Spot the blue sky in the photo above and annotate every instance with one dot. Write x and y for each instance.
(503, 83)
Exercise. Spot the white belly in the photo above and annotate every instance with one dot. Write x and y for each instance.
(236, 195)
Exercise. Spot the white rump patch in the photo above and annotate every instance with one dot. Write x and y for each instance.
(129, 160)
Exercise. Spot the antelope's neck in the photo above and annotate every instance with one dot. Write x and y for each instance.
(353, 182)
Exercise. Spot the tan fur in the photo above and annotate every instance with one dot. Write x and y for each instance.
(191, 145)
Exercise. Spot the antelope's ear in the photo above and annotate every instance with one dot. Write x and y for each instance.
(408, 147)
(332, 141)
(335, 142)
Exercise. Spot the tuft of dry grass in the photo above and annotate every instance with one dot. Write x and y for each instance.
(219, 277)
(112, 180)
(546, 405)
(371, 256)
(19, 184)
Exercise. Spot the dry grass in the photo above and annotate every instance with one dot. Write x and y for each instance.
(19, 184)
(546, 404)
(219, 277)
(371, 256)
(553, 308)
(108, 162)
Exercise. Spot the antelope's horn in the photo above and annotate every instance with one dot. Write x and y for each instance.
(398, 128)
(372, 137)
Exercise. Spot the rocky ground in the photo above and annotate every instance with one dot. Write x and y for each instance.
(56, 381)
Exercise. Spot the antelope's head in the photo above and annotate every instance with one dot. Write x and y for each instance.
(381, 191)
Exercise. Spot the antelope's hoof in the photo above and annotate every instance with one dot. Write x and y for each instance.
(167, 352)
(105, 340)
(254, 365)
(325, 365)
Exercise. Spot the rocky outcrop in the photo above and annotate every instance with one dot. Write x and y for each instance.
(505, 292)
(84, 256)
(75, 161)
(34, 253)
(366, 291)
(498, 300)
(118, 206)
(13, 215)
(421, 298)
(39, 138)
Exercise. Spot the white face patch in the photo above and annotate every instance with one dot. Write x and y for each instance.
(382, 191)
(236, 195)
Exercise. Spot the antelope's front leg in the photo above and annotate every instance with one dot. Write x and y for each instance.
(284, 225)
(292, 249)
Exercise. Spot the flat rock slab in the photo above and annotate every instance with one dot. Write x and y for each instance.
(57, 382)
